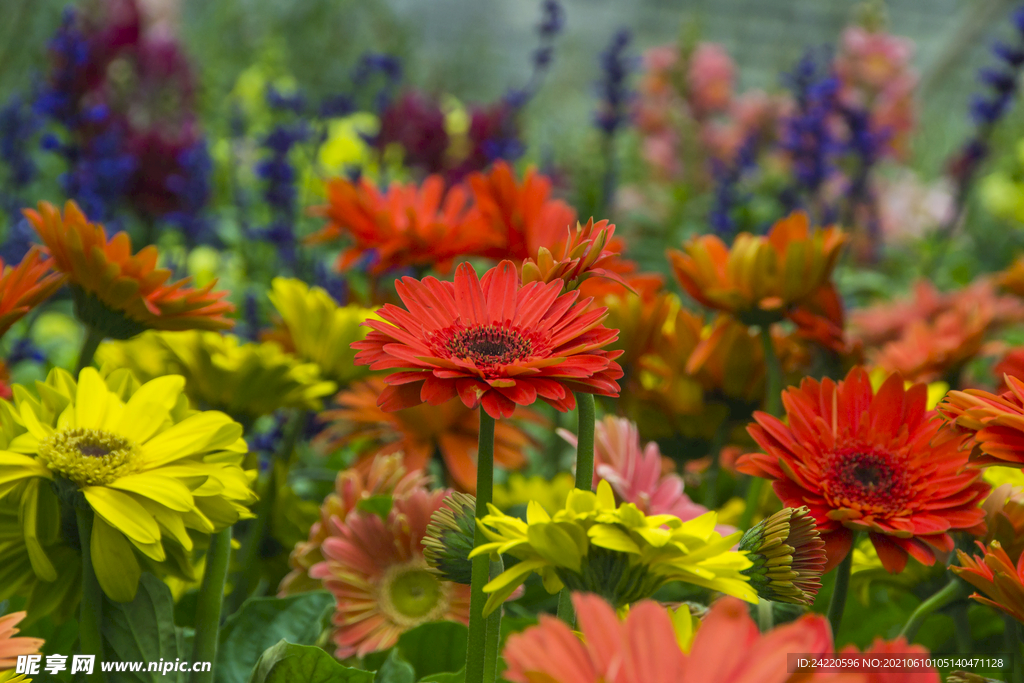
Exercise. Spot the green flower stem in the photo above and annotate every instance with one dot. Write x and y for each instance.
(92, 340)
(493, 642)
(249, 555)
(211, 597)
(479, 636)
(962, 628)
(954, 590)
(585, 413)
(566, 612)
(90, 638)
(1018, 670)
(772, 406)
(719, 440)
(765, 617)
(837, 604)
(772, 374)
(585, 416)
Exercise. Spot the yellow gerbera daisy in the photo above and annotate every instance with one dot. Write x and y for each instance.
(37, 564)
(319, 330)
(244, 379)
(617, 552)
(147, 465)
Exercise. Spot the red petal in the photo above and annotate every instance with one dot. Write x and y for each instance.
(837, 544)
(436, 391)
(893, 557)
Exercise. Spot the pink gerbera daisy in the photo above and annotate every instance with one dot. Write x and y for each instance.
(382, 585)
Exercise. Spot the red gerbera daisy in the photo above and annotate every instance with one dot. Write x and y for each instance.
(863, 461)
(489, 341)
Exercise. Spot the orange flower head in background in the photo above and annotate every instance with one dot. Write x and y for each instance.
(929, 350)
(863, 461)
(589, 252)
(25, 286)
(646, 647)
(520, 217)
(891, 321)
(386, 476)
(407, 226)
(490, 342)
(381, 582)
(639, 318)
(990, 426)
(1012, 363)
(1004, 519)
(416, 434)
(994, 574)
(119, 293)
(10, 646)
(759, 278)
(1012, 279)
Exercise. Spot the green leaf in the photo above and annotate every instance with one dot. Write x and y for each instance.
(262, 622)
(450, 677)
(379, 505)
(143, 630)
(435, 647)
(287, 662)
(395, 670)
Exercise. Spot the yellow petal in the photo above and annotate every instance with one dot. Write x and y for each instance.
(168, 492)
(91, 400)
(29, 513)
(113, 559)
(32, 423)
(149, 407)
(206, 431)
(123, 512)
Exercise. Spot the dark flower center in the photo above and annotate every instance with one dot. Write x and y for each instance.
(488, 344)
(870, 481)
(93, 450)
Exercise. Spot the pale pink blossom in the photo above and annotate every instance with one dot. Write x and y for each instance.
(710, 76)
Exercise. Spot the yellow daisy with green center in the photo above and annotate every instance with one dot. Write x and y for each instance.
(150, 468)
(318, 330)
(617, 552)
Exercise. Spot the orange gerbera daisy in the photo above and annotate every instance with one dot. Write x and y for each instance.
(521, 216)
(118, 293)
(490, 342)
(450, 429)
(863, 461)
(25, 286)
(408, 226)
(990, 425)
(645, 647)
(994, 573)
(383, 586)
(759, 278)
(11, 647)
(589, 251)
(930, 350)
(386, 476)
